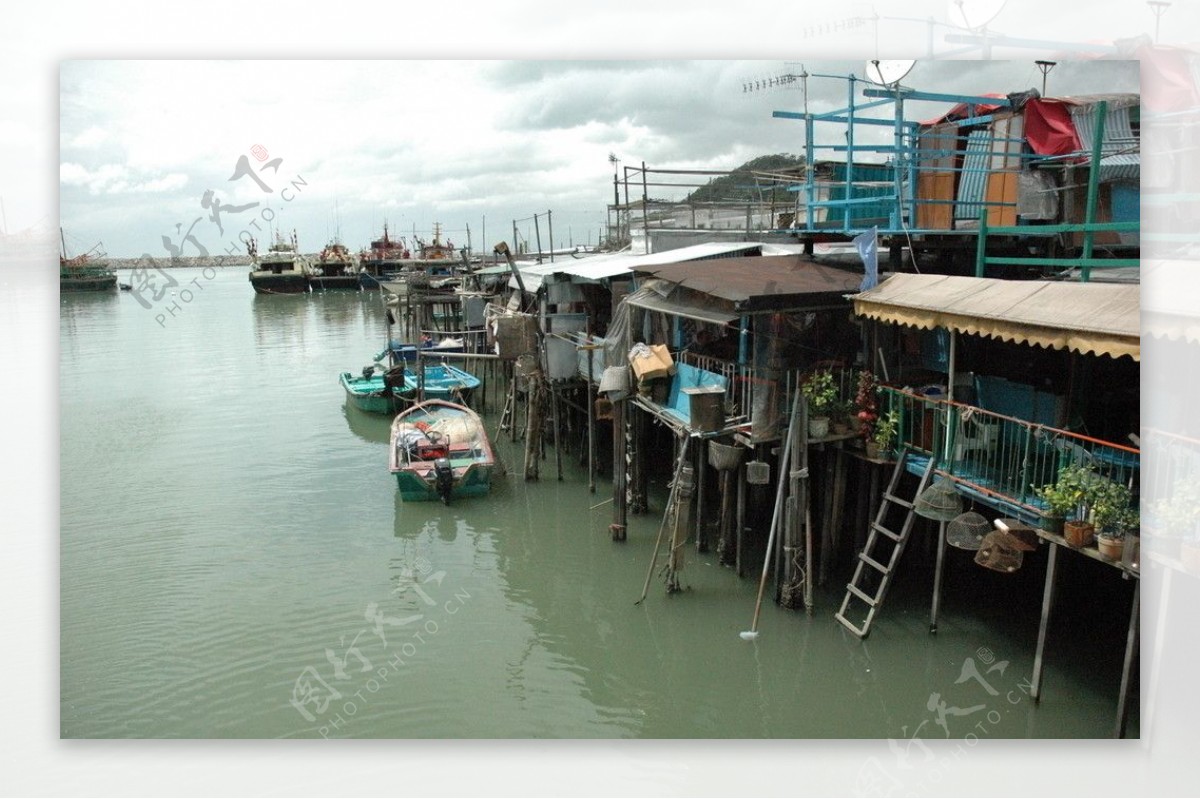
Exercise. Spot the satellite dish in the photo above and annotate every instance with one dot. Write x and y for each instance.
(974, 14)
(888, 73)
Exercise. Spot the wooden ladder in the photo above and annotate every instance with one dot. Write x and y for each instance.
(869, 563)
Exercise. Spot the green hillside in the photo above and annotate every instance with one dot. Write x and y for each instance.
(739, 184)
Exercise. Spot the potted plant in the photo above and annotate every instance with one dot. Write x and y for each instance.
(867, 405)
(1073, 486)
(821, 393)
(1061, 498)
(1109, 503)
(884, 437)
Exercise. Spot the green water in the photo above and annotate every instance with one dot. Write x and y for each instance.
(231, 538)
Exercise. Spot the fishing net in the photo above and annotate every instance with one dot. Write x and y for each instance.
(998, 555)
(966, 531)
(940, 501)
(1017, 534)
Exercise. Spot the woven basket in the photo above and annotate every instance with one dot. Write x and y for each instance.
(724, 457)
(758, 473)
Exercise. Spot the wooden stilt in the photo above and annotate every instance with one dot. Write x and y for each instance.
(619, 473)
(558, 433)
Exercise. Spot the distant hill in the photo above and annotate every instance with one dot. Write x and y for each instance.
(739, 184)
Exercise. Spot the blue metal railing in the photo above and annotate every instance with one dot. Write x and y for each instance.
(1001, 458)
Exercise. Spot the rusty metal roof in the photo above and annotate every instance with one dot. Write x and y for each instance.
(763, 283)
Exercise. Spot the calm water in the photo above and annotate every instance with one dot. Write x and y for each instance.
(231, 536)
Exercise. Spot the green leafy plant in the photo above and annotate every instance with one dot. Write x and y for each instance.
(1110, 504)
(1068, 494)
(820, 392)
(885, 431)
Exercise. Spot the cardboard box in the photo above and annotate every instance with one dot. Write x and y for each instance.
(655, 363)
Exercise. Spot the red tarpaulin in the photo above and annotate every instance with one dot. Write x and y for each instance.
(1048, 128)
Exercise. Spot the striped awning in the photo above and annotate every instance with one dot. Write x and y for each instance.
(1089, 318)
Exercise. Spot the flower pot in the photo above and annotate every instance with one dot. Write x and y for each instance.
(818, 427)
(1079, 534)
(1052, 524)
(1110, 546)
(840, 428)
(872, 450)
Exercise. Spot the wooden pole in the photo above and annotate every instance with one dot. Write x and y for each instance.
(591, 423)
(741, 519)
(617, 527)
(701, 538)
(558, 436)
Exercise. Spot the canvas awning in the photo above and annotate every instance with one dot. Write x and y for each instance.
(710, 313)
(1099, 318)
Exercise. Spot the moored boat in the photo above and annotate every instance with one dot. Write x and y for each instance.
(335, 268)
(440, 450)
(281, 270)
(378, 390)
(441, 381)
(385, 257)
(82, 273)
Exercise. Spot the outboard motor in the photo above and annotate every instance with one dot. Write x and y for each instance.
(393, 379)
(444, 475)
(367, 372)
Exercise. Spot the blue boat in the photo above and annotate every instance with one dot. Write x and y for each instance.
(443, 382)
(378, 390)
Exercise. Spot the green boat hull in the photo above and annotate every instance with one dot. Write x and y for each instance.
(476, 482)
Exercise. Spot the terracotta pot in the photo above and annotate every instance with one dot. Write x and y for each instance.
(1110, 547)
(1079, 534)
(872, 450)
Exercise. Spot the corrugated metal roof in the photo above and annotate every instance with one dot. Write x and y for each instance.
(1101, 318)
(763, 283)
(599, 267)
(976, 166)
(1126, 166)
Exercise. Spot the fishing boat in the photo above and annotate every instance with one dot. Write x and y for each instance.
(281, 269)
(441, 381)
(385, 257)
(82, 273)
(378, 389)
(440, 450)
(335, 268)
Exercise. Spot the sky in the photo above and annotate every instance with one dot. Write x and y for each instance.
(147, 148)
(511, 130)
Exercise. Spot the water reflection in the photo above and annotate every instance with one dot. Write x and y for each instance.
(373, 428)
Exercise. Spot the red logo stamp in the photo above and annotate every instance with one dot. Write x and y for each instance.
(259, 152)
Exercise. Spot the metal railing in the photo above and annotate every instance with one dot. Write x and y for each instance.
(1005, 459)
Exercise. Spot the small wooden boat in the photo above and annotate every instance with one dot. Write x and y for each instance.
(378, 390)
(440, 450)
(442, 381)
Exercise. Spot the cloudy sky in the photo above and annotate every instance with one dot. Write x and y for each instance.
(149, 147)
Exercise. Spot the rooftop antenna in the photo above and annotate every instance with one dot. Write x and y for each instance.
(1158, 7)
(1045, 67)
